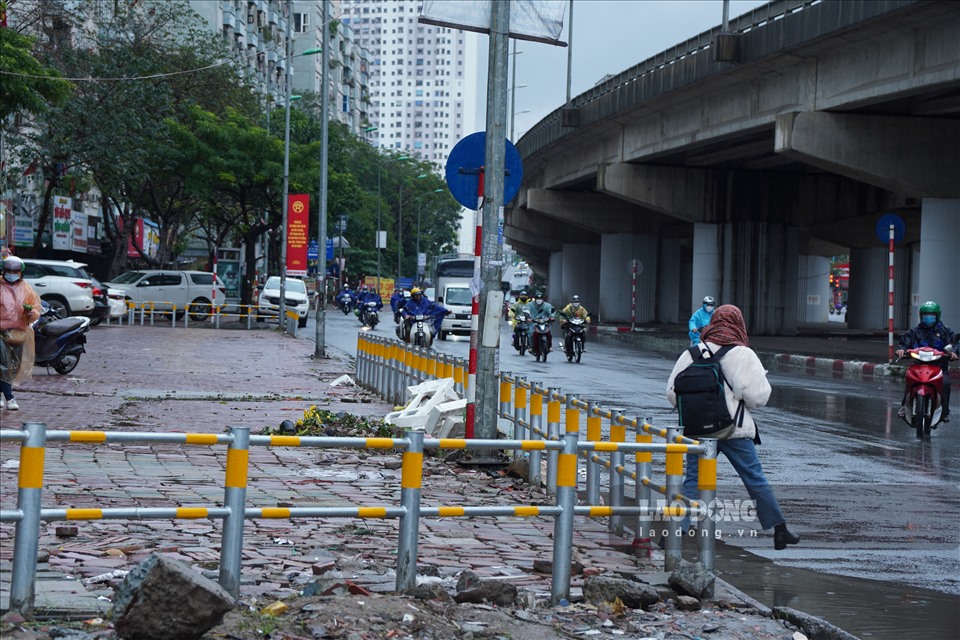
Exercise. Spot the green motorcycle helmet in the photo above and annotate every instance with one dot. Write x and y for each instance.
(930, 307)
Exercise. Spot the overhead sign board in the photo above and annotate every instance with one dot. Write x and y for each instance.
(538, 20)
(465, 162)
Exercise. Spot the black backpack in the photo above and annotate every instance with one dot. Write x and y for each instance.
(701, 399)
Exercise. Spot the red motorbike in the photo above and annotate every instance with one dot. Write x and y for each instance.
(923, 401)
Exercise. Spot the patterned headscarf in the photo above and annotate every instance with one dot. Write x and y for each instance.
(726, 327)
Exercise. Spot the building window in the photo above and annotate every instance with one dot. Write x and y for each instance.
(301, 22)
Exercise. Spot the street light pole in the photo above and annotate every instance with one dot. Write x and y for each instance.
(377, 240)
(419, 212)
(288, 77)
(320, 341)
(400, 221)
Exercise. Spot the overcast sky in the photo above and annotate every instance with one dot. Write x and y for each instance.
(609, 36)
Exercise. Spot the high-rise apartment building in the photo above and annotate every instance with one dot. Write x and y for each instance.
(421, 89)
(256, 30)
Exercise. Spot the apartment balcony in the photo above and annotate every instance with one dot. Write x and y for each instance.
(229, 17)
(253, 39)
(272, 56)
(348, 77)
(273, 16)
(240, 26)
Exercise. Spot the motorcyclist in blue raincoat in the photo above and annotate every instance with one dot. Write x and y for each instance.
(419, 304)
(370, 294)
(345, 291)
(700, 319)
(397, 300)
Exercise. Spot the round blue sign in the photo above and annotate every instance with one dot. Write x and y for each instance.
(465, 162)
(883, 228)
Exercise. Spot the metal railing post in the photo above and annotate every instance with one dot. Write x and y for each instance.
(27, 542)
(553, 432)
(707, 483)
(674, 508)
(234, 499)
(186, 316)
(566, 500)
(506, 395)
(410, 482)
(519, 413)
(644, 459)
(536, 426)
(618, 433)
(594, 434)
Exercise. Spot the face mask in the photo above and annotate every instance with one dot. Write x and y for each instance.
(576, 305)
(929, 320)
(708, 307)
(11, 277)
(539, 300)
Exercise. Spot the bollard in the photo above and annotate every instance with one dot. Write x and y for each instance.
(594, 434)
(618, 434)
(410, 482)
(234, 499)
(505, 394)
(458, 377)
(643, 495)
(707, 483)
(186, 316)
(536, 427)
(519, 413)
(553, 433)
(27, 541)
(674, 510)
(566, 500)
(173, 317)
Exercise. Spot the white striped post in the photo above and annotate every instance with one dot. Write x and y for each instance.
(474, 317)
(890, 301)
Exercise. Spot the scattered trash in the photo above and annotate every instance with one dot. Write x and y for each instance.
(408, 617)
(11, 464)
(274, 609)
(282, 541)
(342, 380)
(104, 577)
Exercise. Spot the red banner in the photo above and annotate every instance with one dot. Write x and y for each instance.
(298, 228)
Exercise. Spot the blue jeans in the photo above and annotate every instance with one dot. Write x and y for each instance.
(742, 454)
(7, 389)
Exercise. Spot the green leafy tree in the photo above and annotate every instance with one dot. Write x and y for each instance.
(27, 84)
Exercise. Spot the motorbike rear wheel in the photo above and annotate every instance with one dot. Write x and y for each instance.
(577, 349)
(523, 344)
(66, 363)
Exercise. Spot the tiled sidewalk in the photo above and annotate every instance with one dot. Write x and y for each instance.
(200, 381)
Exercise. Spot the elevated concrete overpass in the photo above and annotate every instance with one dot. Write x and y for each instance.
(735, 164)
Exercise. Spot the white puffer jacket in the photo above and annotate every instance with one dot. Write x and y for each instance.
(747, 381)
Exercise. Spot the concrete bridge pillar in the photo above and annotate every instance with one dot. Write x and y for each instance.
(940, 258)
(580, 271)
(815, 296)
(617, 250)
(870, 285)
(706, 265)
(760, 274)
(673, 282)
(554, 290)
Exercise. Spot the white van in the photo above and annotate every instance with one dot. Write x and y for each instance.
(456, 297)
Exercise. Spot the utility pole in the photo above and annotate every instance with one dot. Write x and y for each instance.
(320, 340)
(488, 346)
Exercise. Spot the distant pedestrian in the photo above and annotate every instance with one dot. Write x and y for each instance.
(747, 382)
(700, 319)
(19, 307)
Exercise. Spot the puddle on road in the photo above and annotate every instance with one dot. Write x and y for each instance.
(865, 608)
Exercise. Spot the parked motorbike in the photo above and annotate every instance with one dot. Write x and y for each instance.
(522, 332)
(923, 400)
(540, 345)
(419, 331)
(576, 333)
(346, 303)
(59, 341)
(369, 316)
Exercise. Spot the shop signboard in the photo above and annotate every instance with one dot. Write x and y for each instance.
(62, 223)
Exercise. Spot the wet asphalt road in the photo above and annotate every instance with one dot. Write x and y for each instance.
(869, 499)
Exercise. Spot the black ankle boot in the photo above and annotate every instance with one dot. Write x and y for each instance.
(782, 537)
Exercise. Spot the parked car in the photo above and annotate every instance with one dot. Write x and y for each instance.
(168, 289)
(64, 284)
(109, 302)
(295, 289)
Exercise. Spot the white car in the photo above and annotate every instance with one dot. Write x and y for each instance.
(63, 284)
(268, 303)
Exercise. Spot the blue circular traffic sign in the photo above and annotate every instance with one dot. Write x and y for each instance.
(465, 163)
(883, 228)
